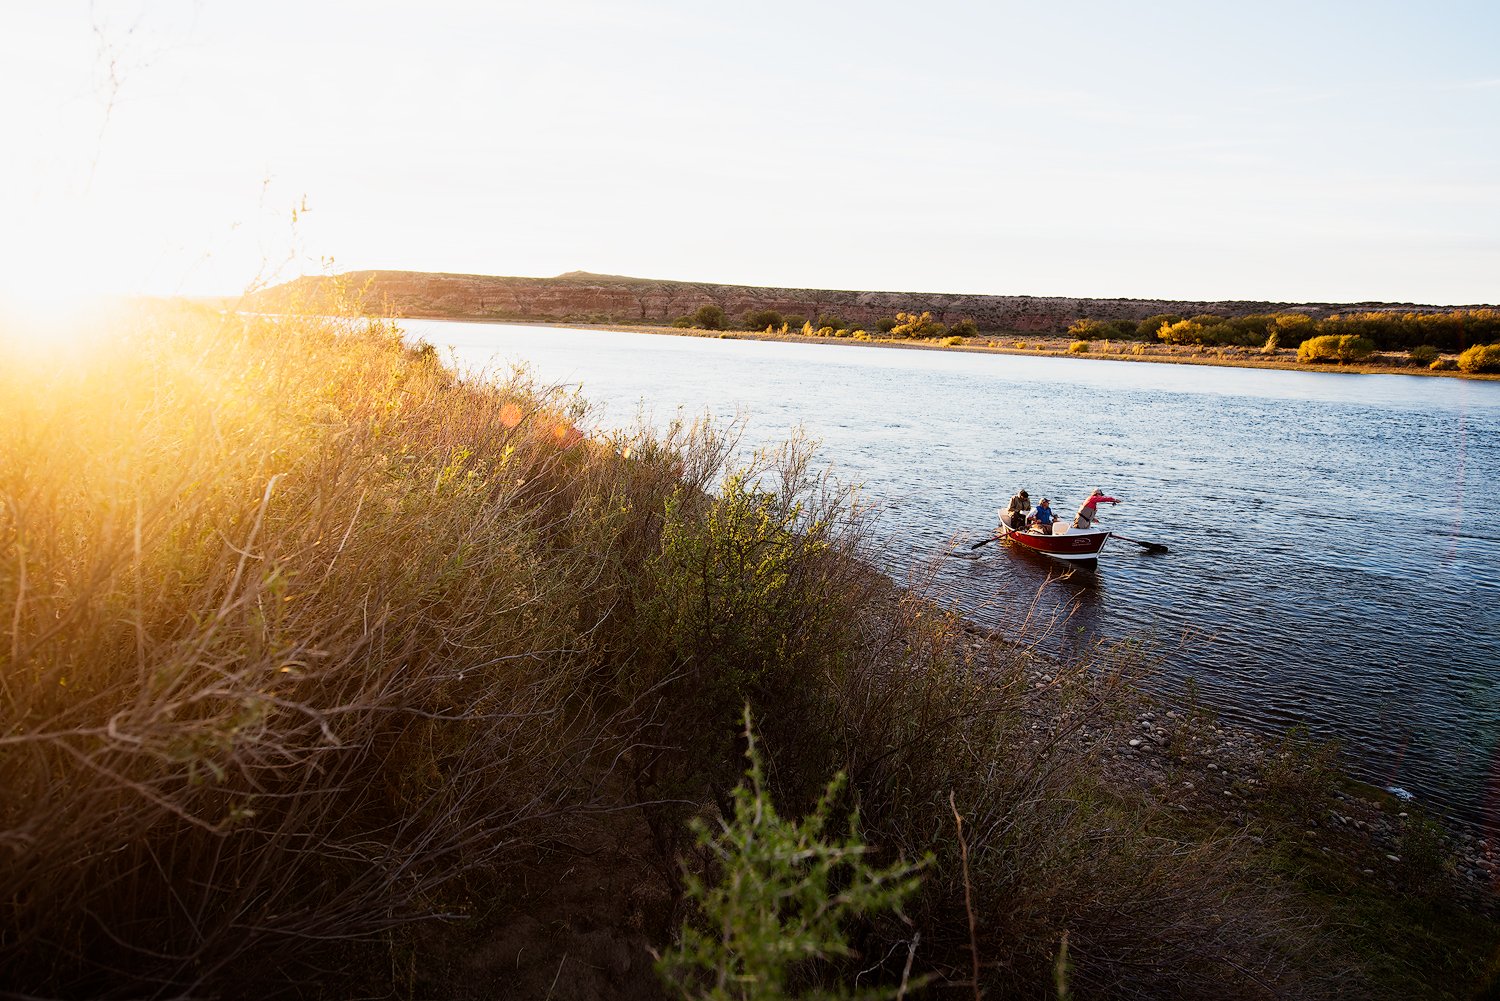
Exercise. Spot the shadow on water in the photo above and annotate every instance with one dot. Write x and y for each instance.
(1023, 593)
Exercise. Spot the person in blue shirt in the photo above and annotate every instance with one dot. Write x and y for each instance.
(1043, 518)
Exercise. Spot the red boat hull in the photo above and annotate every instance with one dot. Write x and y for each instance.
(1072, 545)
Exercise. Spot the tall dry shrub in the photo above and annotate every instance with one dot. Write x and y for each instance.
(750, 599)
(296, 640)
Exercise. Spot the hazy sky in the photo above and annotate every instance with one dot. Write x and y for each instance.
(1291, 151)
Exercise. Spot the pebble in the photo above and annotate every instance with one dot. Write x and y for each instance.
(1393, 858)
(1135, 742)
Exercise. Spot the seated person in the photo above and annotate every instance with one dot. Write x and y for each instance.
(1043, 518)
(1015, 512)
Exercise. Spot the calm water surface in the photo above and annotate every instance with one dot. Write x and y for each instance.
(1335, 539)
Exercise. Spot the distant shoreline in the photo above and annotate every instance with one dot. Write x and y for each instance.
(1036, 346)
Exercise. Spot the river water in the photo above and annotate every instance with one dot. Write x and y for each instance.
(1334, 539)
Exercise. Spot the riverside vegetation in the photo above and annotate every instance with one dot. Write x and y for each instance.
(327, 673)
(1462, 340)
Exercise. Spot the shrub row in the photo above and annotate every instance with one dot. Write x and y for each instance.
(919, 325)
(1386, 331)
(1450, 331)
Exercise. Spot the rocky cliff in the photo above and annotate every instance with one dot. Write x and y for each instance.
(583, 297)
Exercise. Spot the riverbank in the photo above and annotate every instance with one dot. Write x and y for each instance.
(331, 668)
(1052, 346)
(1390, 882)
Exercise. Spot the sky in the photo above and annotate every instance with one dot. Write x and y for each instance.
(1303, 151)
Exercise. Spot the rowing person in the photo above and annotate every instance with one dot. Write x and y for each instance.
(1088, 511)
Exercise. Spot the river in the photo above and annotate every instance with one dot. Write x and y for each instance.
(1334, 538)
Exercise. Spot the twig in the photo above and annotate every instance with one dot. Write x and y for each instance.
(560, 966)
(911, 954)
(963, 848)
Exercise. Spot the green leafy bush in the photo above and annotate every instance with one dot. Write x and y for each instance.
(886, 324)
(1422, 354)
(794, 322)
(760, 319)
(1150, 327)
(830, 320)
(1091, 330)
(683, 321)
(965, 328)
(1292, 329)
(709, 317)
(1480, 358)
(1339, 348)
(780, 898)
(745, 602)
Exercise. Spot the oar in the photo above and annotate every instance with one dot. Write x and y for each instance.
(984, 542)
(1150, 547)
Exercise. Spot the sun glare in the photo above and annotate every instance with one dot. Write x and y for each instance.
(53, 321)
(54, 297)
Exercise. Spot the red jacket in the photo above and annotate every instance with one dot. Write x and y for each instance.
(1094, 501)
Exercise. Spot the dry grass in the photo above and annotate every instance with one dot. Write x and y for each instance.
(298, 633)
(305, 639)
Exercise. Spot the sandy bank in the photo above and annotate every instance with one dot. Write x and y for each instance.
(1045, 346)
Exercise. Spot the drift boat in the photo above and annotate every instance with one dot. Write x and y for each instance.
(1071, 545)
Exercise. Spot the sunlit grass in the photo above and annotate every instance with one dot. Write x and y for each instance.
(274, 598)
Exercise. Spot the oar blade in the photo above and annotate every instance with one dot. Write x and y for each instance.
(1150, 547)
